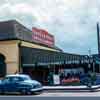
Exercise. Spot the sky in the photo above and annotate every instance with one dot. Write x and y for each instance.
(72, 22)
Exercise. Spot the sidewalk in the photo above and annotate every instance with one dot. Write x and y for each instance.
(73, 88)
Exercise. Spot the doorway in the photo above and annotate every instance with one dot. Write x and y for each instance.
(2, 65)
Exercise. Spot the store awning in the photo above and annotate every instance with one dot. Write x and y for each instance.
(97, 62)
(28, 65)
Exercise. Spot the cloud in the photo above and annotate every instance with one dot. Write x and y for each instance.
(73, 22)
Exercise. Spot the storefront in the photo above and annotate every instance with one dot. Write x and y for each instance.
(13, 36)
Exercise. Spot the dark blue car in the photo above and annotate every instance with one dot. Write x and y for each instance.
(97, 80)
(86, 80)
(20, 83)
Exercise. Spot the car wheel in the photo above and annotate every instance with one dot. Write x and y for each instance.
(89, 85)
(1, 92)
(26, 92)
(23, 91)
(38, 92)
(29, 93)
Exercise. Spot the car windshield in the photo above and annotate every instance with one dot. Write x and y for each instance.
(25, 78)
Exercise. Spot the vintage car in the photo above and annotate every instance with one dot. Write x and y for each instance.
(88, 79)
(97, 82)
(20, 83)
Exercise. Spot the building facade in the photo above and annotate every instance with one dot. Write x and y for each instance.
(34, 53)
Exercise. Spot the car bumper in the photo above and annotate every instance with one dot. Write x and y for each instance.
(37, 89)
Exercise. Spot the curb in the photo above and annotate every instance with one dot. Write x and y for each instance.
(71, 88)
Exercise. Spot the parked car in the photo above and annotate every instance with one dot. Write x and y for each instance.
(97, 80)
(20, 83)
(88, 79)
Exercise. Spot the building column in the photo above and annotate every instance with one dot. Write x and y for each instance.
(20, 58)
(99, 68)
(93, 67)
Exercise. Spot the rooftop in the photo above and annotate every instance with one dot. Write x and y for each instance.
(13, 30)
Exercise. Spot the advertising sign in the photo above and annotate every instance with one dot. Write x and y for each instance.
(56, 79)
(42, 36)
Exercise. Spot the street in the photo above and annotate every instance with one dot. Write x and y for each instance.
(54, 95)
(62, 91)
(69, 94)
(59, 94)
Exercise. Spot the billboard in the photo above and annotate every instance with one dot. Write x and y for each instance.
(42, 36)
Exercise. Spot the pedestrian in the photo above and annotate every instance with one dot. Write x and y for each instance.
(61, 77)
(50, 78)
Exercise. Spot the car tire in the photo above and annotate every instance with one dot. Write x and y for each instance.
(2, 92)
(26, 92)
(89, 85)
(38, 92)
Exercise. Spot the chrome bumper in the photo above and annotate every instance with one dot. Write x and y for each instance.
(37, 89)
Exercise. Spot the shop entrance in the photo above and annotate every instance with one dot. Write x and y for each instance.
(2, 66)
(38, 73)
(54, 74)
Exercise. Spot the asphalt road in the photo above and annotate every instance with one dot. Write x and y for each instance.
(55, 96)
(69, 94)
(60, 94)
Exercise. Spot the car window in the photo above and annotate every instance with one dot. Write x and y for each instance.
(15, 79)
(18, 79)
(12, 79)
(26, 78)
(5, 80)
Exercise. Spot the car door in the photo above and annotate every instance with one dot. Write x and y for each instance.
(9, 84)
(6, 85)
(12, 84)
(15, 84)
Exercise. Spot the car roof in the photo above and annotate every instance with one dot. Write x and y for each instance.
(17, 75)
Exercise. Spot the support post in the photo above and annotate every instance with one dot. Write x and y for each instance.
(99, 68)
(20, 58)
(93, 67)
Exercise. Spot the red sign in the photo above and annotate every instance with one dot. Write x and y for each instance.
(42, 36)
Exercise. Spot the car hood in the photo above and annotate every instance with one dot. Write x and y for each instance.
(32, 82)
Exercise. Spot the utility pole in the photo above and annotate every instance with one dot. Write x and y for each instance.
(98, 40)
(89, 55)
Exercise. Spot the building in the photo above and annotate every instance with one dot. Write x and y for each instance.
(13, 35)
(34, 52)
